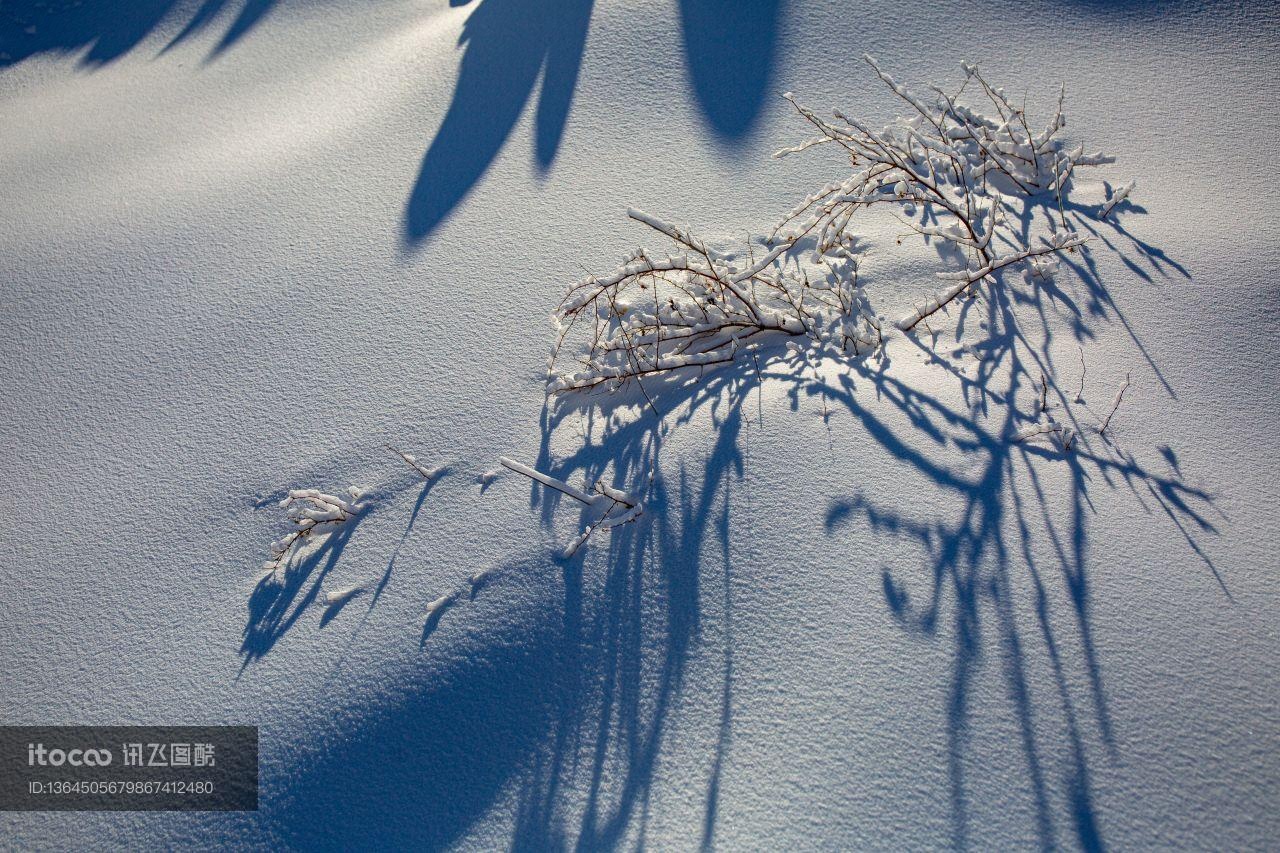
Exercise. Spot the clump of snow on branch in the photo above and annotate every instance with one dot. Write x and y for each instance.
(312, 513)
(617, 507)
(439, 604)
(951, 170)
(1120, 195)
(340, 596)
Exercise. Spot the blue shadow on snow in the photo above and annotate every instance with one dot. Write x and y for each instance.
(730, 48)
(508, 44)
(106, 31)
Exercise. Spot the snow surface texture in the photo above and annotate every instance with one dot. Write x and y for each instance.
(245, 247)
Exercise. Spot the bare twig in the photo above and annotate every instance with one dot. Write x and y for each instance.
(1061, 434)
(1083, 371)
(1115, 404)
(412, 462)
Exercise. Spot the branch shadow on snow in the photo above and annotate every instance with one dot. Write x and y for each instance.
(274, 606)
(555, 687)
(423, 493)
(508, 46)
(590, 789)
(977, 564)
(421, 766)
(1007, 513)
(106, 31)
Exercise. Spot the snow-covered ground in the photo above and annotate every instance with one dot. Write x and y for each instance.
(243, 247)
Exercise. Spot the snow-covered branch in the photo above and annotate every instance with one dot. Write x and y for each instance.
(311, 512)
(950, 170)
(964, 280)
(702, 307)
(952, 164)
(1121, 194)
(618, 507)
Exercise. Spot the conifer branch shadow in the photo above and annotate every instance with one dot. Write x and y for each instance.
(730, 49)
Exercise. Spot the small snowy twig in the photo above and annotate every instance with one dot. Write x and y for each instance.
(1063, 435)
(619, 507)
(441, 603)
(412, 462)
(332, 598)
(311, 511)
(1121, 193)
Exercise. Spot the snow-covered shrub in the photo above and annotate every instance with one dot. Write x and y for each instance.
(951, 170)
(311, 512)
(703, 307)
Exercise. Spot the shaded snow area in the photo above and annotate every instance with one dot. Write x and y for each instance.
(277, 285)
